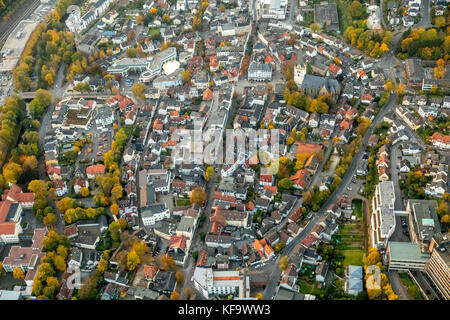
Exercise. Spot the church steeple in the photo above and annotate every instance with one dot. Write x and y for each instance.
(299, 70)
(299, 73)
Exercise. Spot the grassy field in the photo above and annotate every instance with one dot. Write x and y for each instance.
(353, 257)
(352, 235)
(307, 287)
(183, 202)
(358, 207)
(413, 289)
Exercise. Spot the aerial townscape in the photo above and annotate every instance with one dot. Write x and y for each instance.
(106, 194)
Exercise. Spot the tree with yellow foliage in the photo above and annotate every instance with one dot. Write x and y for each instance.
(139, 19)
(282, 264)
(102, 265)
(179, 276)
(209, 173)
(389, 86)
(301, 160)
(290, 141)
(133, 260)
(198, 196)
(84, 192)
(138, 91)
(18, 273)
(49, 78)
(400, 89)
(372, 258)
(166, 18)
(439, 71)
(440, 22)
(114, 209)
(384, 47)
(186, 76)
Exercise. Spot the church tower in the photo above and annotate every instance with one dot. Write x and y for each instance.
(299, 74)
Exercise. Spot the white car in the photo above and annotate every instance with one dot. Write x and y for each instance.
(349, 188)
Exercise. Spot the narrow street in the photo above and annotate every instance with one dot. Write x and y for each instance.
(398, 286)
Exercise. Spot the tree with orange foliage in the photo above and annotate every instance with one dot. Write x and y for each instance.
(440, 69)
(174, 296)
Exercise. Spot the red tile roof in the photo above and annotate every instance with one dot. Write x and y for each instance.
(178, 242)
(439, 137)
(150, 271)
(307, 148)
(96, 169)
(300, 177)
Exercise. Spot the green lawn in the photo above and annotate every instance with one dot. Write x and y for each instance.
(358, 207)
(309, 288)
(413, 289)
(353, 257)
(154, 33)
(183, 202)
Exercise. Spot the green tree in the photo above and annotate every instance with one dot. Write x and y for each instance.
(285, 184)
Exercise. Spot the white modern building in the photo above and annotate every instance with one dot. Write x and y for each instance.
(153, 213)
(209, 282)
(382, 224)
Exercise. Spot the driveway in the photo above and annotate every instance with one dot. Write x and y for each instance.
(398, 286)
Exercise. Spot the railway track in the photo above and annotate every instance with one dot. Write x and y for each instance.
(7, 27)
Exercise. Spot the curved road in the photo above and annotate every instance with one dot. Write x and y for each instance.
(276, 272)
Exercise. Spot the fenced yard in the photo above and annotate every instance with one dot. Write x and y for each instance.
(352, 234)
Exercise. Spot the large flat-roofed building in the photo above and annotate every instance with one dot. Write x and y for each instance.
(273, 9)
(157, 62)
(382, 223)
(423, 221)
(414, 71)
(209, 282)
(438, 267)
(124, 65)
(154, 212)
(27, 259)
(259, 71)
(404, 256)
(326, 15)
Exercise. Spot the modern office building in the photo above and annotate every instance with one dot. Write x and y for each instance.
(404, 256)
(438, 267)
(423, 221)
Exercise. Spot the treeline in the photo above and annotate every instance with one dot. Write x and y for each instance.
(22, 163)
(109, 187)
(428, 44)
(9, 7)
(46, 284)
(41, 207)
(73, 211)
(374, 43)
(47, 47)
(198, 17)
(12, 114)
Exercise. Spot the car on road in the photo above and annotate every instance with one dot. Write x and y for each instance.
(353, 180)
